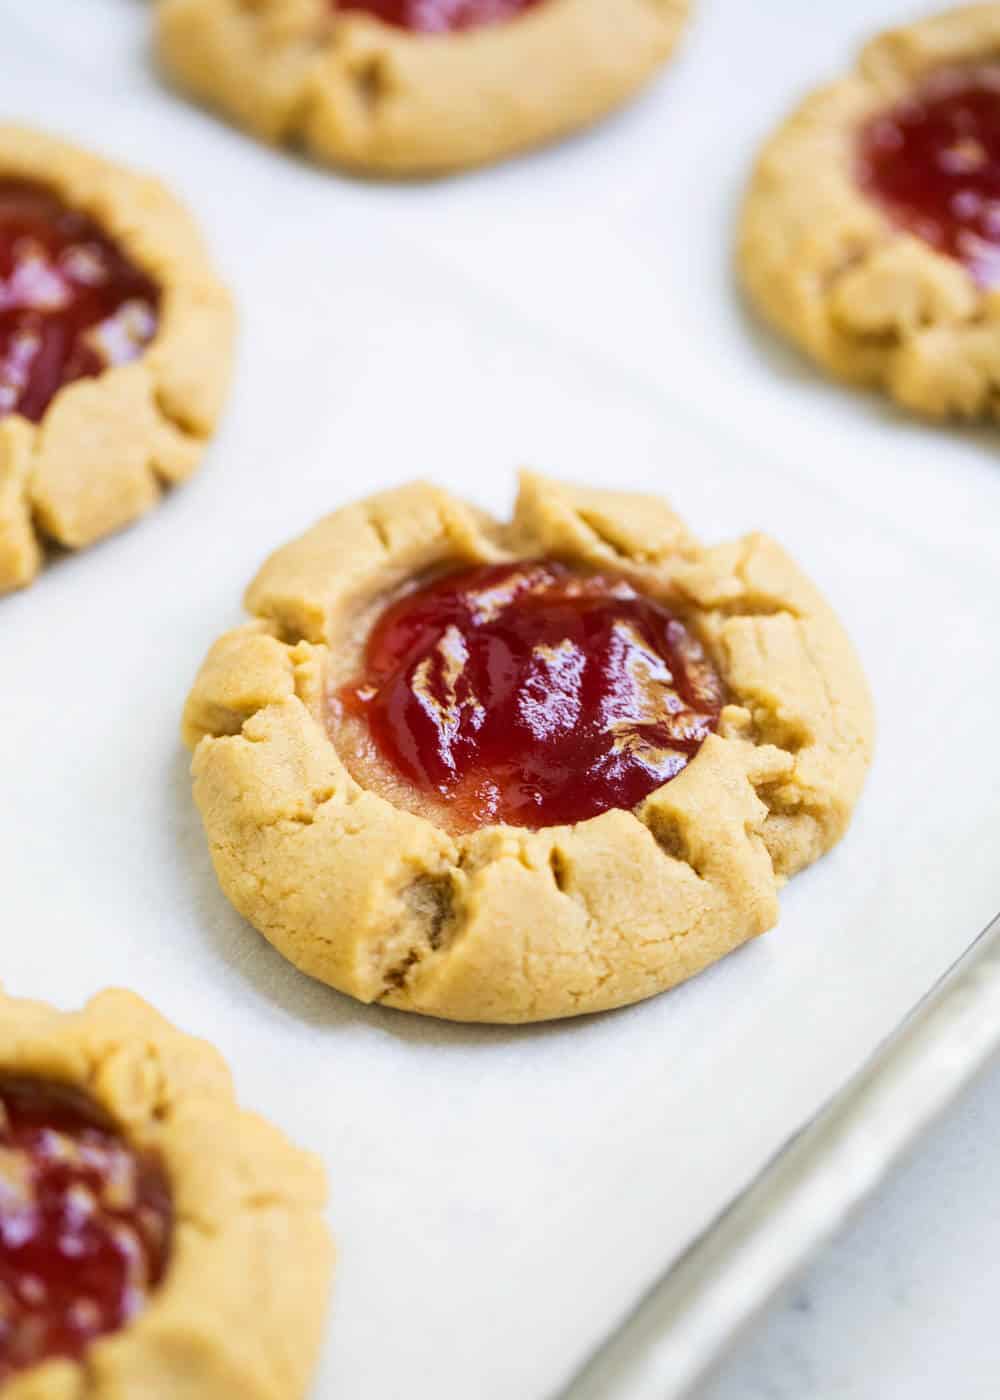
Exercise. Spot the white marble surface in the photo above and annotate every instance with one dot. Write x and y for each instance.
(903, 1303)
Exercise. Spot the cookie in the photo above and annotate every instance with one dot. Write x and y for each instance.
(870, 234)
(115, 347)
(415, 87)
(154, 1238)
(509, 773)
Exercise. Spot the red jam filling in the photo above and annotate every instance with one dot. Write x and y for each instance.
(71, 303)
(439, 16)
(933, 163)
(84, 1226)
(530, 694)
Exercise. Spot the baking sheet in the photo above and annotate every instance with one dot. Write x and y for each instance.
(501, 1198)
(690, 1319)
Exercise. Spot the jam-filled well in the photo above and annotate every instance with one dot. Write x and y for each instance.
(439, 16)
(933, 163)
(533, 694)
(71, 303)
(85, 1224)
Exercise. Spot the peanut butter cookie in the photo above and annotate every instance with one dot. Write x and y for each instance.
(871, 230)
(507, 773)
(411, 87)
(115, 344)
(155, 1240)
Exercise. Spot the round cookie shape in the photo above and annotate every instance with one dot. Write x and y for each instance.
(115, 348)
(869, 233)
(440, 91)
(154, 1238)
(71, 1190)
(532, 694)
(335, 858)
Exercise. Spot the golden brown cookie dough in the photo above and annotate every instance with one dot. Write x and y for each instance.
(824, 264)
(359, 93)
(240, 1313)
(508, 924)
(107, 446)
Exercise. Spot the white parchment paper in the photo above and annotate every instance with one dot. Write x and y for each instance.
(500, 1197)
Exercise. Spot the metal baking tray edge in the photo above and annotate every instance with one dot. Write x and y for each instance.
(682, 1328)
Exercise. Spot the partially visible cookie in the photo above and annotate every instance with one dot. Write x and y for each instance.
(155, 1239)
(115, 347)
(415, 87)
(870, 234)
(513, 772)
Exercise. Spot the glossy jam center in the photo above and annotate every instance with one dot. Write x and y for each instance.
(533, 695)
(933, 163)
(84, 1226)
(71, 304)
(439, 16)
